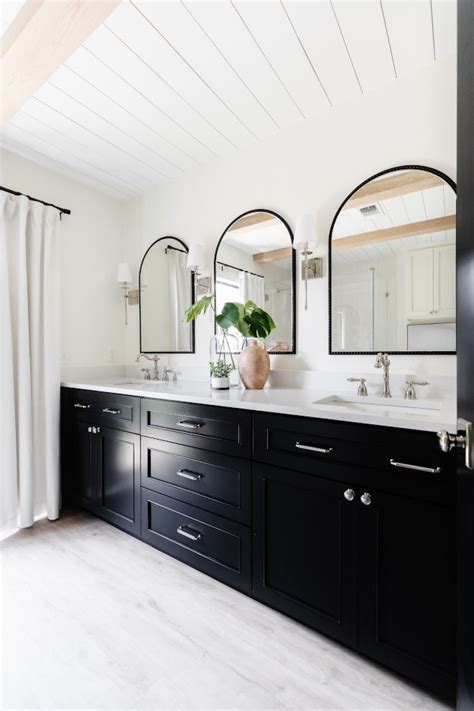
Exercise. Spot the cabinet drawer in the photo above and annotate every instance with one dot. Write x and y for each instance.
(203, 540)
(78, 405)
(214, 482)
(302, 443)
(121, 412)
(217, 429)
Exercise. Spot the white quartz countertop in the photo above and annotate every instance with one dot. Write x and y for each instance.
(428, 415)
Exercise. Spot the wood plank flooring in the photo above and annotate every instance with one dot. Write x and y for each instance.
(94, 619)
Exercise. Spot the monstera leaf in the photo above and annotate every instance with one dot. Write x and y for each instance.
(200, 307)
(249, 319)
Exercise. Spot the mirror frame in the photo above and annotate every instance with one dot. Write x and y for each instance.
(440, 174)
(193, 335)
(292, 350)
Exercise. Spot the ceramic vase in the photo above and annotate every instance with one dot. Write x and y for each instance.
(254, 365)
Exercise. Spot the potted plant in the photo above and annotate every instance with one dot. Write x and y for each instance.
(219, 373)
(254, 324)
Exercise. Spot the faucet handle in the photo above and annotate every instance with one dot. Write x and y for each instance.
(147, 373)
(381, 359)
(410, 392)
(362, 389)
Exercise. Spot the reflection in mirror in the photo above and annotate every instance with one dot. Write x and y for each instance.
(393, 265)
(255, 260)
(166, 291)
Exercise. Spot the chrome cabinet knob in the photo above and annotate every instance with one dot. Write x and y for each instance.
(366, 498)
(349, 494)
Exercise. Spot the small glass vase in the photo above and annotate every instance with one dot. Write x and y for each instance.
(223, 348)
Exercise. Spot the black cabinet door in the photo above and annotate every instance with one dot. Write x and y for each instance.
(78, 466)
(407, 596)
(116, 457)
(306, 550)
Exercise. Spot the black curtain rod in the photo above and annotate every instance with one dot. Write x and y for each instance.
(238, 269)
(175, 249)
(62, 210)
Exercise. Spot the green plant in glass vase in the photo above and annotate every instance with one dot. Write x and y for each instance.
(251, 321)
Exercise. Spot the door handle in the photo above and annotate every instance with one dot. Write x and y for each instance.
(310, 448)
(192, 476)
(111, 412)
(190, 425)
(416, 467)
(447, 442)
(189, 533)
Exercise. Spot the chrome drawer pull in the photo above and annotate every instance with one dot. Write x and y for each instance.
(189, 533)
(193, 476)
(428, 470)
(111, 412)
(320, 450)
(81, 406)
(190, 425)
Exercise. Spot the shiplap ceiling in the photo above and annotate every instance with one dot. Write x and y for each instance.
(162, 87)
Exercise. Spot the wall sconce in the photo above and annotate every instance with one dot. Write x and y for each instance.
(124, 278)
(196, 263)
(305, 242)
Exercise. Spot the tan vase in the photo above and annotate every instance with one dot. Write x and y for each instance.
(254, 365)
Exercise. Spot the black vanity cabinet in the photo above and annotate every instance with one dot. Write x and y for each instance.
(347, 528)
(101, 465)
(355, 546)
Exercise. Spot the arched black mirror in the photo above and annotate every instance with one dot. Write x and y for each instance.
(255, 260)
(392, 261)
(166, 289)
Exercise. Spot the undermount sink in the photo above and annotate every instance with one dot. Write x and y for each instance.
(382, 406)
(139, 383)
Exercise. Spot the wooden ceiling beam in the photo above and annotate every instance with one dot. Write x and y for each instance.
(411, 181)
(249, 220)
(42, 36)
(273, 255)
(438, 224)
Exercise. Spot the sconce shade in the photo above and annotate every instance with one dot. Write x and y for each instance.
(196, 257)
(305, 232)
(124, 275)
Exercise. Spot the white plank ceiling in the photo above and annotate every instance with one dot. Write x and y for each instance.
(439, 201)
(163, 86)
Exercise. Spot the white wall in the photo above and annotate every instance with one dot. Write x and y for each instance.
(91, 240)
(308, 168)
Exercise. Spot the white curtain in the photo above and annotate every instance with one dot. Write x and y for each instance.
(180, 299)
(29, 361)
(252, 287)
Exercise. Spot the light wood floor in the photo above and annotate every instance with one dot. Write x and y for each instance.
(94, 619)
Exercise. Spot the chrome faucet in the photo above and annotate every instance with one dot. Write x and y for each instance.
(382, 361)
(155, 359)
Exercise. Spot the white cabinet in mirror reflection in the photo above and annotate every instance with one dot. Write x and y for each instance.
(393, 264)
(431, 283)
